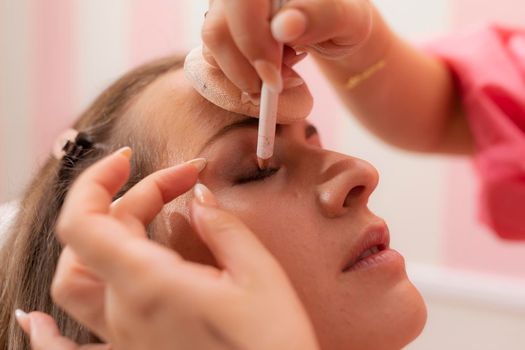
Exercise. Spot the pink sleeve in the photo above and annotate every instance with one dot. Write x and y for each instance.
(489, 67)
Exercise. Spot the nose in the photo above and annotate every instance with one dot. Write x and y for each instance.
(345, 184)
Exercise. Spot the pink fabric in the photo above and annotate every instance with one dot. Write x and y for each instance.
(489, 66)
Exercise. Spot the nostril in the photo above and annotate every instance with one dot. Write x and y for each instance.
(354, 193)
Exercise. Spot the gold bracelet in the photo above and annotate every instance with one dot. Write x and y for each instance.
(357, 79)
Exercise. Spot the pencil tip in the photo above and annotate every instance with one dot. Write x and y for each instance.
(263, 163)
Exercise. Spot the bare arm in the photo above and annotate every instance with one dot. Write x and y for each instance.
(411, 103)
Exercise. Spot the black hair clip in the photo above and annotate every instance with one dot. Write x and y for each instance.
(71, 145)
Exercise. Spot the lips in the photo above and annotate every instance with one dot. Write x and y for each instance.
(375, 240)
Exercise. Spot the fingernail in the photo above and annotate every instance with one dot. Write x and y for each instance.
(301, 49)
(288, 25)
(204, 195)
(115, 202)
(269, 74)
(20, 315)
(125, 152)
(293, 82)
(208, 57)
(295, 59)
(245, 98)
(22, 319)
(250, 98)
(199, 163)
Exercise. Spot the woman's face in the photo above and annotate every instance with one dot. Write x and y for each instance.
(309, 209)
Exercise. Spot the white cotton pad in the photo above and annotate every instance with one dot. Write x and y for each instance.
(294, 103)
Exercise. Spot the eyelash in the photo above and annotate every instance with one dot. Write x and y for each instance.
(258, 175)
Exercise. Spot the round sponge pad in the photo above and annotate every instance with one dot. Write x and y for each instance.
(294, 103)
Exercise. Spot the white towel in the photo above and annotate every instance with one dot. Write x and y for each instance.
(8, 213)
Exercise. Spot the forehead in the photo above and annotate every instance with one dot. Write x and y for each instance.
(171, 109)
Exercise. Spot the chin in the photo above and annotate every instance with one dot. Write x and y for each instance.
(407, 322)
(416, 314)
(384, 320)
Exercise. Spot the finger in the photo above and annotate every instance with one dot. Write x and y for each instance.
(44, 335)
(306, 22)
(249, 23)
(288, 25)
(103, 243)
(92, 192)
(220, 44)
(96, 347)
(290, 78)
(291, 57)
(22, 319)
(79, 292)
(120, 259)
(233, 244)
(155, 191)
(208, 56)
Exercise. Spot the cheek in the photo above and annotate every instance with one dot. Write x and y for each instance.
(286, 227)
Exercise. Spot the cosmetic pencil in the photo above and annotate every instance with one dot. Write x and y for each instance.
(268, 113)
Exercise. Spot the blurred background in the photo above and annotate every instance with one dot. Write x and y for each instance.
(57, 55)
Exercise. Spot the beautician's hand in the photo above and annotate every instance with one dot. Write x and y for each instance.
(241, 40)
(136, 294)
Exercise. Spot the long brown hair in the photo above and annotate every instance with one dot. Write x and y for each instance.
(29, 256)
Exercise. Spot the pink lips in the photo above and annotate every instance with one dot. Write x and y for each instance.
(373, 243)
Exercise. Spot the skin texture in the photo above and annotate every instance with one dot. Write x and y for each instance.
(317, 218)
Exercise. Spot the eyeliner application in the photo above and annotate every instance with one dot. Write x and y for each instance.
(268, 112)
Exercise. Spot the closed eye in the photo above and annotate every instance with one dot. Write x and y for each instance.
(256, 175)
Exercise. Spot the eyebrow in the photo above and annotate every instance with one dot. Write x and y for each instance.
(245, 123)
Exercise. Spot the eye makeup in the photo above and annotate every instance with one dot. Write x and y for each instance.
(234, 162)
(256, 175)
(233, 159)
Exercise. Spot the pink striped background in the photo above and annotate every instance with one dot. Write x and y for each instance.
(53, 77)
(157, 28)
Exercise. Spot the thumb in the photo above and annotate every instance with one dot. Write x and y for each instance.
(233, 244)
(44, 334)
(310, 22)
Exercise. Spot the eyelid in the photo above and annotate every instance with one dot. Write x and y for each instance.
(257, 175)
